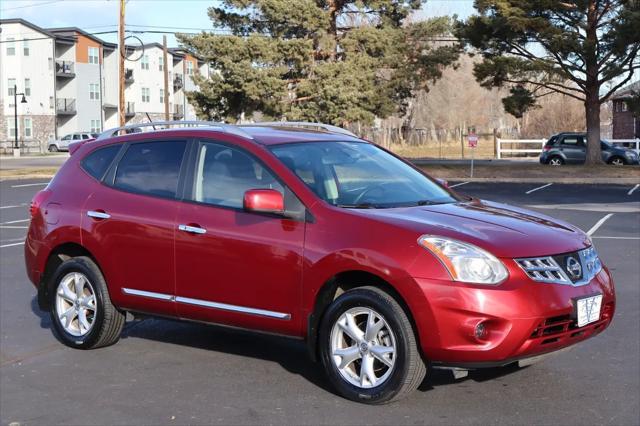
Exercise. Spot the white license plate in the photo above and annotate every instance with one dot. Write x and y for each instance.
(588, 310)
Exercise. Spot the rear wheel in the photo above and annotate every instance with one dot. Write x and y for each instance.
(616, 161)
(53, 148)
(555, 161)
(81, 310)
(368, 347)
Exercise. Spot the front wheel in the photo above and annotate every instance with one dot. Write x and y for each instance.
(616, 161)
(81, 311)
(368, 347)
(53, 148)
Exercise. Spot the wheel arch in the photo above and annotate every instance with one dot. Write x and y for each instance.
(338, 284)
(55, 258)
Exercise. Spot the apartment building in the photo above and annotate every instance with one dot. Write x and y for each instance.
(70, 81)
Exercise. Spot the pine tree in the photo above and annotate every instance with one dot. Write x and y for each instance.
(574, 47)
(332, 61)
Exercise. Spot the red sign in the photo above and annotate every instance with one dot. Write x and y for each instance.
(473, 140)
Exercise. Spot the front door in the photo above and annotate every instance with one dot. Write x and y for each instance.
(234, 267)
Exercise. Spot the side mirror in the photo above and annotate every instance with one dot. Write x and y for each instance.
(264, 201)
(443, 182)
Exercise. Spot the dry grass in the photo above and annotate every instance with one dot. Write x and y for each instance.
(29, 173)
(449, 150)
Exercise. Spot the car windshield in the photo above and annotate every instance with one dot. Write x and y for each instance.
(359, 175)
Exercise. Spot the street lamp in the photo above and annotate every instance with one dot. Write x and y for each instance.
(15, 112)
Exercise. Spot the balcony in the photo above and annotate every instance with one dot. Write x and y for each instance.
(65, 106)
(65, 69)
(128, 76)
(130, 110)
(178, 112)
(178, 82)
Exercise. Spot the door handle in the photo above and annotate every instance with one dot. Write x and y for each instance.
(192, 229)
(96, 214)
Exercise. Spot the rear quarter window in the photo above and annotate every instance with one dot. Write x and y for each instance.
(97, 162)
(151, 168)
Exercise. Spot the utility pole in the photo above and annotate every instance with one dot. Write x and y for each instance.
(123, 50)
(165, 68)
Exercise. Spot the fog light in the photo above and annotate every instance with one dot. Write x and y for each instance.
(481, 331)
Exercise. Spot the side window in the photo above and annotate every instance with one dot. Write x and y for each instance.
(97, 163)
(67, 138)
(85, 136)
(572, 141)
(76, 137)
(224, 174)
(151, 168)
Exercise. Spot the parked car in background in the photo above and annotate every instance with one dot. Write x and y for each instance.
(63, 143)
(315, 235)
(571, 148)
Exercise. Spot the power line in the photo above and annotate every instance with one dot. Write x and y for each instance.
(31, 5)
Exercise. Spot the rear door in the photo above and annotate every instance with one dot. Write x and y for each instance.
(129, 222)
(232, 266)
(573, 148)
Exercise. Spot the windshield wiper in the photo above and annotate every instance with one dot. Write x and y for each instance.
(358, 206)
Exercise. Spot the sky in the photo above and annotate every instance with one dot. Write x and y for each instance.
(96, 16)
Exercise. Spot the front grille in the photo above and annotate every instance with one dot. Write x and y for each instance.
(554, 329)
(576, 268)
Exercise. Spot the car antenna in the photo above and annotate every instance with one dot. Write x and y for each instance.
(150, 120)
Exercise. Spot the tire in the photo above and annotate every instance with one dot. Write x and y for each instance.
(104, 320)
(393, 382)
(53, 148)
(616, 161)
(555, 161)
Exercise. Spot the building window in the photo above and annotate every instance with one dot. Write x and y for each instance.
(50, 64)
(11, 126)
(95, 126)
(94, 91)
(27, 87)
(25, 47)
(189, 68)
(11, 46)
(28, 131)
(144, 62)
(161, 64)
(50, 102)
(11, 86)
(161, 96)
(146, 94)
(94, 55)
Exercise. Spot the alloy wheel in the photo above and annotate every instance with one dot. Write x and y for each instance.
(555, 162)
(363, 347)
(617, 162)
(76, 304)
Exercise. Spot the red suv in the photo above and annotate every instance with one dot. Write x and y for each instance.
(313, 234)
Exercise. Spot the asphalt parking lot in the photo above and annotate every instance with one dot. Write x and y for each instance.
(165, 372)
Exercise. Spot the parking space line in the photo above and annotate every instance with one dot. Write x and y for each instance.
(15, 221)
(538, 188)
(616, 238)
(458, 184)
(598, 224)
(13, 207)
(11, 245)
(13, 227)
(633, 189)
(29, 184)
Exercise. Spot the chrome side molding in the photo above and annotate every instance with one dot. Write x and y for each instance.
(98, 215)
(207, 304)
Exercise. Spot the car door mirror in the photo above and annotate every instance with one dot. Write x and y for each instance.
(264, 201)
(443, 182)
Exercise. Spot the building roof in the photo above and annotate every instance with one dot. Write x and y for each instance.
(627, 91)
(35, 28)
(71, 32)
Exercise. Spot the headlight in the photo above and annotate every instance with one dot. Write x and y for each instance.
(630, 154)
(465, 262)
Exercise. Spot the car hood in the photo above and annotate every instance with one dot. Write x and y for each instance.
(506, 231)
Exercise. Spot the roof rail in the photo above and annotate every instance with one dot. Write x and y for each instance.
(135, 128)
(302, 124)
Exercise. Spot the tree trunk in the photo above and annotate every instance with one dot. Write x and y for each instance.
(592, 109)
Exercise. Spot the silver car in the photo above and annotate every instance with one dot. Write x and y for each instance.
(63, 144)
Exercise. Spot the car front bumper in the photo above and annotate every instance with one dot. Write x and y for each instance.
(521, 318)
